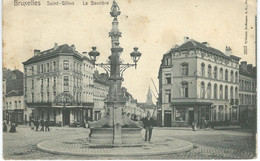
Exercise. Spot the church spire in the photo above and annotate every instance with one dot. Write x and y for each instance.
(149, 100)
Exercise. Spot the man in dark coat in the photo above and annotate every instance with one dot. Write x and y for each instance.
(36, 124)
(4, 127)
(42, 125)
(47, 125)
(148, 125)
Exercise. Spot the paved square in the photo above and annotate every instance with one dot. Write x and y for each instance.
(208, 144)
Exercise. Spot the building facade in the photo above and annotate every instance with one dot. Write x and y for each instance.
(198, 82)
(58, 85)
(101, 88)
(14, 108)
(247, 94)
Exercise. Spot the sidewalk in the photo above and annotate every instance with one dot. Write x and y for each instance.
(190, 129)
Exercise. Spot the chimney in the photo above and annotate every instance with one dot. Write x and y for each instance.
(228, 51)
(72, 47)
(205, 43)
(36, 52)
(186, 39)
(55, 46)
(244, 65)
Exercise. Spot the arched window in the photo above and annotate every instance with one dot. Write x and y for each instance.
(221, 74)
(215, 91)
(209, 90)
(226, 75)
(202, 69)
(231, 93)
(209, 71)
(202, 90)
(236, 93)
(216, 72)
(236, 77)
(226, 92)
(221, 91)
(184, 68)
(232, 76)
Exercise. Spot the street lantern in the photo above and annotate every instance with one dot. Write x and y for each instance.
(94, 54)
(135, 55)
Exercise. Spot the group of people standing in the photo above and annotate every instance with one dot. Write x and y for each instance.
(12, 128)
(44, 125)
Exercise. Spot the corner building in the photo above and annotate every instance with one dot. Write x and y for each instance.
(58, 85)
(198, 82)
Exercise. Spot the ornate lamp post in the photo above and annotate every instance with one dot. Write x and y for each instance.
(115, 67)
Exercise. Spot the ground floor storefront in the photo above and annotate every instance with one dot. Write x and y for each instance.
(14, 116)
(68, 114)
(181, 114)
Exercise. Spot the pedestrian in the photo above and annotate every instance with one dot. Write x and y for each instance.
(13, 128)
(36, 124)
(4, 126)
(32, 124)
(148, 126)
(193, 125)
(47, 125)
(42, 125)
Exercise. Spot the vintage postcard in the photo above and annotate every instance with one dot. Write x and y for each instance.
(129, 79)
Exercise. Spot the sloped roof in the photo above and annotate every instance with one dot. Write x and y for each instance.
(248, 73)
(65, 48)
(195, 44)
(14, 93)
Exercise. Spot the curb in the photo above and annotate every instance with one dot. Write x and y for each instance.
(171, 151)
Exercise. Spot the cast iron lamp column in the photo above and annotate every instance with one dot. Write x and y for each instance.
(115, 67)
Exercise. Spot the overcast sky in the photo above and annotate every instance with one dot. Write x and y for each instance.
(154, 26)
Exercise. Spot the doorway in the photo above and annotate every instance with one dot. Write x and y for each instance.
(167, 119)
(191, 115)
(66, 116)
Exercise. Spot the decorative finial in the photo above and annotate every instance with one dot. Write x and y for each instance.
(115, 10)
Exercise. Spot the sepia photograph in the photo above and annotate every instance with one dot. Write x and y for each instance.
(129, 79)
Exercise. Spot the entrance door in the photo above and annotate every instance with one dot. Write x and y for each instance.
(167, 119)
(66, 116)
(191, 116)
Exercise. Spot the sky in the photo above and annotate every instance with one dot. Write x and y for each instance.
(155, 26)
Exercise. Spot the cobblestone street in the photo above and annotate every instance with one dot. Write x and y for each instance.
(208, 144)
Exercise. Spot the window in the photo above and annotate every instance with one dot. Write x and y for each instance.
(48, 82)
(19, 104)
(232, 76)
(167, 96)
(6, 105)
(32, 71)
(54, 66)
(214, 113)
(202, 90)
(48, 67)
(209, 71)
(25, 71)
(42, 68)
(185, 89)
(168, 78)
(221, 74)
(66, 83)
(41, 84)
(215, 91)
(236, 77)
(226, 75)
(32, 84)
(184, 69)
(234, 113)
(32, 97)
(202, 69)
(41, 97)
(236, 93)
(209, 90)
(54, 94)
(231, 93)
(167, 61)
(226, 92)
(65, 65)
(221, 92)
(220, 113)
(180, 114)
(216, 72)
(48, 97)
(54, 81)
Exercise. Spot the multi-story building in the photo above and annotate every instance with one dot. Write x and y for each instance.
(198, 82)
(58, 85)
(101, 87)
(247, 94)
(14, 108)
